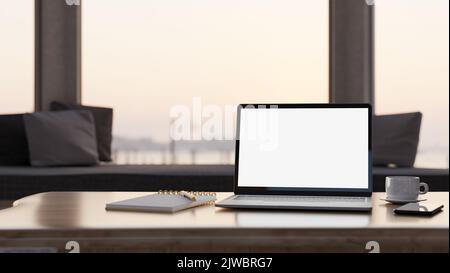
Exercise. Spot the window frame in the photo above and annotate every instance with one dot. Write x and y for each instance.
(351, 76)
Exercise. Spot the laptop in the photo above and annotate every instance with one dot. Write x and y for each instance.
(303, 157)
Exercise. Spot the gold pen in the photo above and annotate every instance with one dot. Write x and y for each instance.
(188, 195)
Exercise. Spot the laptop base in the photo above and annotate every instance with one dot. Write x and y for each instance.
(363, 204)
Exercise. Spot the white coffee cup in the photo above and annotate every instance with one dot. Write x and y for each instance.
(404, 187)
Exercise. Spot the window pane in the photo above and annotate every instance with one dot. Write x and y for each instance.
(412, 69)
(16, 56)
(143, 57)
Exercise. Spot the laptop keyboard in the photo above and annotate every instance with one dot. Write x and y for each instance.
(289, 198)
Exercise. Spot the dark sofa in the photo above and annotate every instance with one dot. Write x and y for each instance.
(17, 182)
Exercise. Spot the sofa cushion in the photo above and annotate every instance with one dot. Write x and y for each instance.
(395, 139)
(13, 141)
(17, 182)
(65, 138)
(103, 118)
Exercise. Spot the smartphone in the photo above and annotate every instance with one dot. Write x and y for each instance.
(424, 209)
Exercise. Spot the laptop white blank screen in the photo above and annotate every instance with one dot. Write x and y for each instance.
(304, 148)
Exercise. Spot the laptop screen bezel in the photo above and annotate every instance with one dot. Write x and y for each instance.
(304, 191)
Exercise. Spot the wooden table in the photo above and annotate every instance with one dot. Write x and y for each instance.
(47, 221)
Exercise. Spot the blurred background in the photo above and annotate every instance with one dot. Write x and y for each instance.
(143, 57)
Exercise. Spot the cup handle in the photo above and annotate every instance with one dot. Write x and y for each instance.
(425, 188)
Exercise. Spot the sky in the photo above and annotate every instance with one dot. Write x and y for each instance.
(164, 53)
(16, 56)
(412, 63)
(142, 57)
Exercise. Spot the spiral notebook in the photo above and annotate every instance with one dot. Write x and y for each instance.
(165, 201)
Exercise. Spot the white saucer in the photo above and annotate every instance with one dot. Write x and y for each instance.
(402, 201)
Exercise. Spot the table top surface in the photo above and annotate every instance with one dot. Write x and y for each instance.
(86, 210)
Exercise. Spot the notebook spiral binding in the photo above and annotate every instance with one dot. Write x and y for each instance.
(196, 193)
